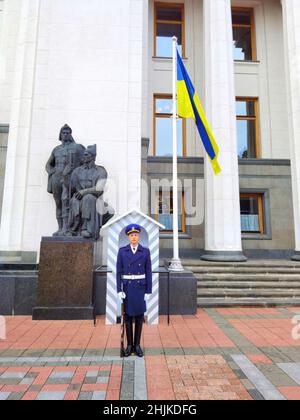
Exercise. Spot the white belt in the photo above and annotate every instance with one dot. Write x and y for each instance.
(134, 277)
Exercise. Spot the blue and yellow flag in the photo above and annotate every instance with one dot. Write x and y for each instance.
(189, 106)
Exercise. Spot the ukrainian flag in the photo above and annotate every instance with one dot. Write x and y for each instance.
(189, 106)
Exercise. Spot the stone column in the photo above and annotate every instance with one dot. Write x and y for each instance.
(222, 197)
(15, 186)
(291, 26)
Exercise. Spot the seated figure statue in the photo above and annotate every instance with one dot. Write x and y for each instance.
(88, 211)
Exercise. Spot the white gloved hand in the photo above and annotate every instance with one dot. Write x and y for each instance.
(121, 296)
(147, 297)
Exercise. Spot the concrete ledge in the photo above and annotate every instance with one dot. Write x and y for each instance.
(200, 160)
(272, 254)
(223, 256)
(99, 293)
(182, 293)
(25, 295)
(7, 293)
(18, 293)
(18, 257)
(4, 128)
(18, 266)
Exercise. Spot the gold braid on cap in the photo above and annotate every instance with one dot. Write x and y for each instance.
(133, 230)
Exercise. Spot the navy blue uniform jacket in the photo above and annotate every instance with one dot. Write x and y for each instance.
(139, 263)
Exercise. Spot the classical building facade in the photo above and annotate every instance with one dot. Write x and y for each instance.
(105, 68)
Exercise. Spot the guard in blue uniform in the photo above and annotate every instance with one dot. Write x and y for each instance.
(134, 286)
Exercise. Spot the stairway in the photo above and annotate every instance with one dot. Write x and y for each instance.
(263, 283)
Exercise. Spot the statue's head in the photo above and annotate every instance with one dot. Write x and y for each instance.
(90, 154)
(65, 135)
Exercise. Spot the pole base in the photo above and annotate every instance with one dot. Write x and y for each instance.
(175, 265)
(296, 256)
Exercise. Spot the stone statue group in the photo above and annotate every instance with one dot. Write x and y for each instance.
(77, 185)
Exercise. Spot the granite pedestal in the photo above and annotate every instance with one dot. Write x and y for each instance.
(177, 293)
(65, 283)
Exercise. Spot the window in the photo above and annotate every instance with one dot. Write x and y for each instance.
(247, 128)
(168, 21)
(164, 210)
(162, 130)
(252, 213)
(3, 152)
(243, 34)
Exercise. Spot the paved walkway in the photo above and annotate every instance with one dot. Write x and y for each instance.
(231, 354)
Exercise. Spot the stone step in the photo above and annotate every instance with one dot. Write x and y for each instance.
(248, 264)
(203, 284)
(248, 277)
(248, 302)
(19, 273)
(10, 260)
(243, 270)
(242, 293)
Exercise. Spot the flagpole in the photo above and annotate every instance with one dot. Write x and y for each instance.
(175, 264)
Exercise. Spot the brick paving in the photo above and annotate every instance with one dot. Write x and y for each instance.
(218, 354)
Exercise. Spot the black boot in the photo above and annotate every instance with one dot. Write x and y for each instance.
(129, 335)
(137, 335)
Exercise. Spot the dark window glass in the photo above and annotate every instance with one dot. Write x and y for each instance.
(246, 133)
(165, 210)
(168, 23)
(242, 44)
(251, 213)
(249, 205)
(240, 17)
(243, 34)
(245, 108)
(173, 14)
(164, 35)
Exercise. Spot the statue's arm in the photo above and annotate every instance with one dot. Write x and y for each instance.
(98, 189)
(73, 183)
(50, 165)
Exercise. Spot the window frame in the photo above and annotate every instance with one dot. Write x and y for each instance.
(261, 212)
(182, 23)
(183, 216)
(251, 26)
(256, 118)
(157, 115)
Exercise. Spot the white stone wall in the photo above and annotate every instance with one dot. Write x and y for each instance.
(85, 61)
(291, 15)
(160, 70)
(20, 120)
(1, 14)
(264, 79)
(9, 30)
